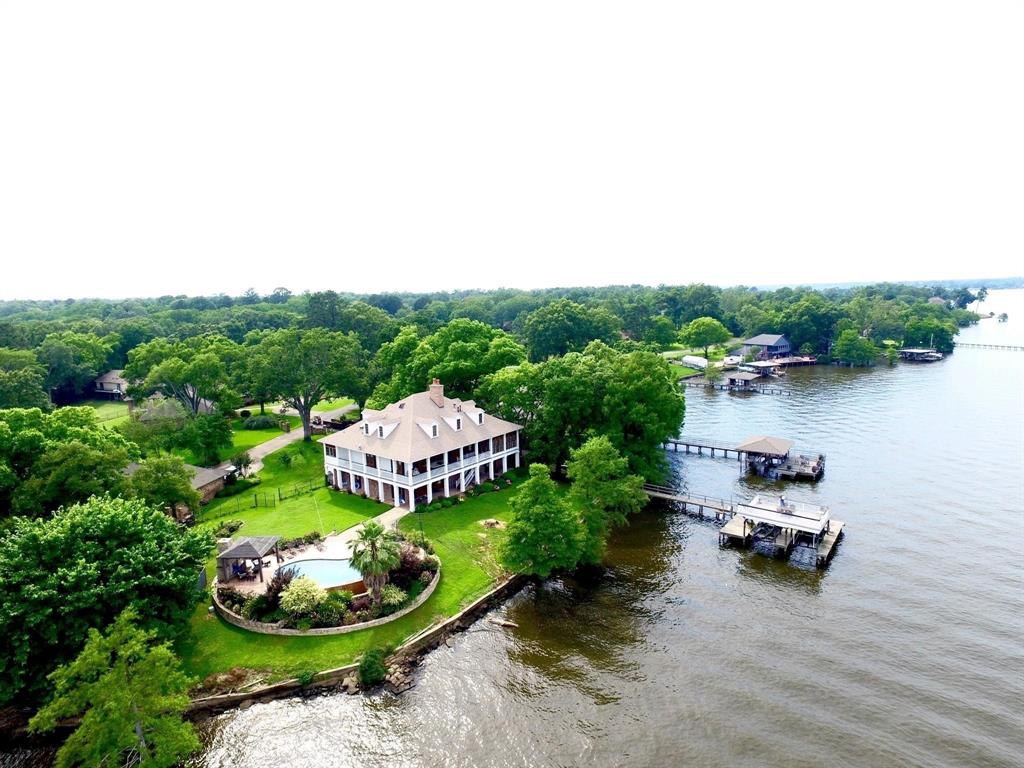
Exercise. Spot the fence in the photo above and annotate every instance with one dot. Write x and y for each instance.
(245, 501)
(297, 489)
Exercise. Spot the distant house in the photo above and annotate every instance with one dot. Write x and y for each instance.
(424, 447)
(937, 300)
(112, 385)
(766, 345)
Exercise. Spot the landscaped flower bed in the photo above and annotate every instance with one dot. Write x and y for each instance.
(293, 604)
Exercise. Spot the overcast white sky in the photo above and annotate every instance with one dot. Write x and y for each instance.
(199, 147)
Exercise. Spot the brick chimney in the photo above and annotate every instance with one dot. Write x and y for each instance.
(437, 393)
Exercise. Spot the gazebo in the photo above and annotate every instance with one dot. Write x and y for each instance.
(245, 549)
(763, 452)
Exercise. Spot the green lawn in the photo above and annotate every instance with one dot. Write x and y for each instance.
(468, 570)
(109, 412)
(685, 372)
(243, 439)
(330, 405)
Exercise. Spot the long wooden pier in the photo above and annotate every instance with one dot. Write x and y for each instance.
(1009, 347)
(701, 383)
(694, 503)
(797, 466)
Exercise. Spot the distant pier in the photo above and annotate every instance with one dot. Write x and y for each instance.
(770, 457)
(1008, 347)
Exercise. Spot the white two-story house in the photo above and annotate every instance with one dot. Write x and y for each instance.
(424, 447)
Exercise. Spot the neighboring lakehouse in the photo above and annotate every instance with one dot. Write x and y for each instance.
(111, 385)
(766, 346)
(424, 447)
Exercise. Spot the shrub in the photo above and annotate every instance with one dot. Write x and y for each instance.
(256, 608)
(306, 677)
(431, 563)
(227, 528)
(371, 667)
(229, 596)
(260, 422)
(391, 598)
(419, 539)
(279, 583)
(285, 459)
(426, 577)
(410, 564)
(245, 413)
(328, 614)
(302, 597)
(342, 597)
(237, 487)
(350, 619)
(360, 604)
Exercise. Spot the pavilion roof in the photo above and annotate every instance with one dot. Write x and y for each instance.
(249, 548)
(767, 445)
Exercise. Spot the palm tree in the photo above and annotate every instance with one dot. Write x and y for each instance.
(374, 554)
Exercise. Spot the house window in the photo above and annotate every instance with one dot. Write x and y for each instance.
(366, 429)
(458, 424)
(480, 418)
(331, 450)
(433, 430)
(380, 431)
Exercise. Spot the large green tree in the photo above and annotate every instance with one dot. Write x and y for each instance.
(207, 436)
(72, 360)
(22, 380)
(129, 694)
(630, 397)
(565, 326)
(604, 492)
(165, 482)
(61, 576)
(704, 332)
(305, 367)
(545, 533)
(852, 348)
(459, 354)
(193, 371)
(46, 455)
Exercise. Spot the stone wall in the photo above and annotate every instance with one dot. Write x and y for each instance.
(273, 629)
(429, 638)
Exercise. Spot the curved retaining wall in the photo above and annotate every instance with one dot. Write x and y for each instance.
(273, 629)
(419, 643)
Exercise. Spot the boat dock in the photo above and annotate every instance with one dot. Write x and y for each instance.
(771, 525)
(700, 382)
(770, 457)
(1010, 347)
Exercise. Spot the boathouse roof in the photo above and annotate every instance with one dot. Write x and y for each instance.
(765, 340)
(781, 512)
(766, 445)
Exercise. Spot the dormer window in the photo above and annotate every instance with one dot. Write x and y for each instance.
(366, 429)
(433, 430)
(380, 431)
(480, 417)
(458, 424)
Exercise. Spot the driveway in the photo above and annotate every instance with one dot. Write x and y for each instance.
(261, 451)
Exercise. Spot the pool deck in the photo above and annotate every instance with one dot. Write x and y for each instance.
(336, 546)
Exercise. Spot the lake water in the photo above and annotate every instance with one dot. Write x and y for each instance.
(906, 651)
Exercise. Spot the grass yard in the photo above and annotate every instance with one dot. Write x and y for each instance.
(685, 372)
(110, 413)
(330, 405)
(243, 439)
(468, 570)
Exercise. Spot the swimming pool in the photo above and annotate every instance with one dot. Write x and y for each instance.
(329, 574)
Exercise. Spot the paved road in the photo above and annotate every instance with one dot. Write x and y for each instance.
(261, 451)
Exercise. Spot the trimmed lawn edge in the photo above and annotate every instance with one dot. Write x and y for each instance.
(418, 644)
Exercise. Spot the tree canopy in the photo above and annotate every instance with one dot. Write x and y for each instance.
(22, 380)
(305, 367)
(704, 332)
(460, 354)
(545, 534)
(130, 694)
(631, 398)
(192, 371)
(60, 577)
(565, 326)
(603, 491)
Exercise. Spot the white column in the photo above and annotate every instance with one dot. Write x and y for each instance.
(430, 486)
(366, 486)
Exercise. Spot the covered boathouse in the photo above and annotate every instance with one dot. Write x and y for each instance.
(777, 526)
